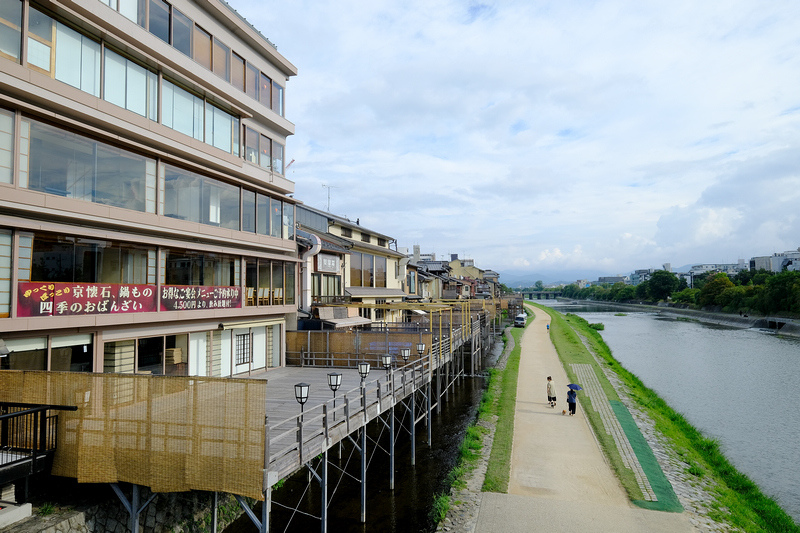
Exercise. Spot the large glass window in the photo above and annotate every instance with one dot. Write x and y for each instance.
(5, 273)
(380, 271)
(248, 211)
(288, 274)
(266, 152)
(251, 81)
(367, 270)
(265, 90)
(277, 98)
(198, 268)
(6, 146)
(10, 28)
(262, 214)
(355, 269)
(219, 128)
(130, 85)
(202, 47)
(182, 32)
(237, 72)
(196, 198)
(71, 353)
(71, 165)
(26, 354)
(77, 60)
(251, 281)
(40, 40)
(181, 110)
(251, 145)
(277, 157)
(56, 258)
(159, 19)
(222, 60)
(275, 217)
(134, 10)
(278, 295)
(288, 220)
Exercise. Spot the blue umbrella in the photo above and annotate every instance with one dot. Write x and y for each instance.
(574, 387)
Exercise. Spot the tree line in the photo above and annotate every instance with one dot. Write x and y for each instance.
(762, 292)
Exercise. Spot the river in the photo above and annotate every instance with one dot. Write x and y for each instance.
(738, 386)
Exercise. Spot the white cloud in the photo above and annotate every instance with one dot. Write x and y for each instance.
(613, 135)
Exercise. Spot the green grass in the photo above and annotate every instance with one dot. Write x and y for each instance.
(738, 501)
(441, 504)
(503, 406)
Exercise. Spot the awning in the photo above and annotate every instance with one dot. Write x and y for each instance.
(251, 324)
(347, 322)
(419, 312)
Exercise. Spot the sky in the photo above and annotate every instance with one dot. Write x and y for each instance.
(549, 137)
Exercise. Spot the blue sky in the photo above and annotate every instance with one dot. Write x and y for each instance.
(549, 136)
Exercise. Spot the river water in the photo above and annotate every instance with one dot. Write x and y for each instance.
(737, 386)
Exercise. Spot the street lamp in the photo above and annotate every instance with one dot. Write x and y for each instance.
(301, 395)
(405, 353)
(334, 382)
(420, 348)
(363, 371)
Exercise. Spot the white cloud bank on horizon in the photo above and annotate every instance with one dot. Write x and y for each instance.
(549, 135)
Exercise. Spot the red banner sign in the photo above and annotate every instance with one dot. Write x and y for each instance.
(182, 297)
(63, 299)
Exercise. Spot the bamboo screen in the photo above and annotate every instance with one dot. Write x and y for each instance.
(171, 434)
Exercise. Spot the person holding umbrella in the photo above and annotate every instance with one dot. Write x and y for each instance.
(572, 397)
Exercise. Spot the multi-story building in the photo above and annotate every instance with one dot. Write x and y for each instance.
(777, 262)
(146, 223)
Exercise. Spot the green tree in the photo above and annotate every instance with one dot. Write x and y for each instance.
(642, 291)
(686, 296)
(539, 285)
(662, 284)
(712, 289)
(626, 293)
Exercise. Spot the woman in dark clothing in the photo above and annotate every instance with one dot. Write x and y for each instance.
(572, 398)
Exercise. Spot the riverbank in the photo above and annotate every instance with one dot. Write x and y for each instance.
(692, 480)
(779, 325)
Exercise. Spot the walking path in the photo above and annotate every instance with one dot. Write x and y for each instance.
(560, 479)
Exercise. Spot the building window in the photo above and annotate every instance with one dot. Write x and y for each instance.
(380, 271)
(365, 237)
(238, 72)
(381, 242)
(63, 53)
(265, 159)
(277, 157)
(130, 85)
(6, 145)
(347, 232)
(288, 221)
(367, 270)
(159, 20)
(202, 47)
(77, 167)
(5, 273)
(275, 217)
(181, 110)
(355, 269)
(277, 98)
(248, 211)
(10, 28)
(221, 60)
(56, 258)
(265, 91)
(185, 267)
(182, 32)
(243, 349)
(189, 196)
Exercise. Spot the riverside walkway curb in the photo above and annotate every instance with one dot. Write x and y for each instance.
(560, 479)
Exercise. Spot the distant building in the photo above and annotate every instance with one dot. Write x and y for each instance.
(777, 262)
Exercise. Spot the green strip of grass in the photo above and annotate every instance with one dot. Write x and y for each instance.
(498, 469)
(739, 502)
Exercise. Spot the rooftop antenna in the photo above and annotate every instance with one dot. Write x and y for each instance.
(329, 187)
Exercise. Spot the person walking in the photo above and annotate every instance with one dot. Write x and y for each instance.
(551, 391)
(572, 398)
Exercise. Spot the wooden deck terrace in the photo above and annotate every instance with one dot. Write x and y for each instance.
(321, 424)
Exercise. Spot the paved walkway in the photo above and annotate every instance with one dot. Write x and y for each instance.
(560, 480)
